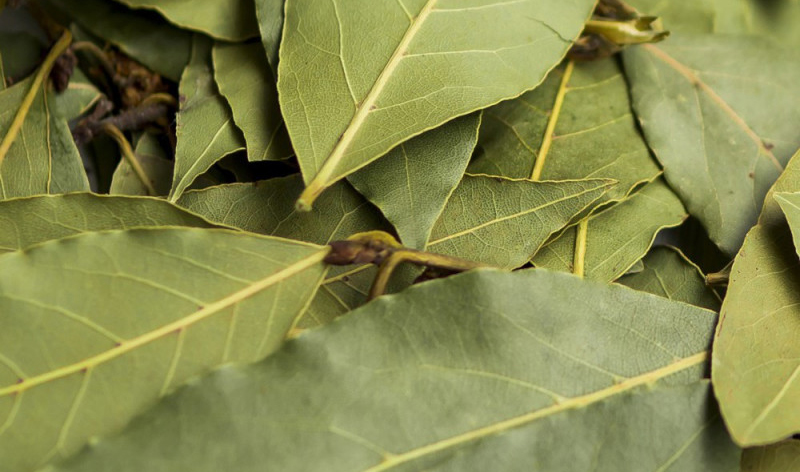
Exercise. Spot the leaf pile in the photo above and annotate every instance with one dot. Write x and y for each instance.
(395, 235)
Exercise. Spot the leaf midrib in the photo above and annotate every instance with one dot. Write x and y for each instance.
(328, 166)
(722, 104)
(515, 215)
(572, 403)
(175, 326)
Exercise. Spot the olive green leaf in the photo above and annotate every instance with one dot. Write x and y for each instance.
(669, 274)
(231, 20)
(42, 158)
(267, 207)
(205, 129)
(245, 80)
(25, 222)
(153, 160)
(781, 457)
(270, 23)
(722, 129)
(412, 184)
(578, 124)
(393, 69)
(755, 365)
(482, 371)
(140, 34)
(20, 54)
(610, 242)
(504, 222)
(790, 204)
(123, 317)
(81, 95)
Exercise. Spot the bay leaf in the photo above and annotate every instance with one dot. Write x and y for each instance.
(617, 236)
(270, 23)
(231, 20)
(42, 158)
(395, 69)
(143, 35)
(733, 101)
(205, 130)
(153, 160)
(482, 371)
(117, 319)
(503, 222)
(20, 54)
(755, 364)
(412, 184)
(781, 457)
(790, 204)
(246, 81)
(669, 274)
(80, 96)
(267, 207)
(576, 125)
(25, 222)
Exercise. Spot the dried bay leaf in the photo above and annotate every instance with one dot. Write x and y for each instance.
(205, 129)
(395, 69)
(503, 222)
(130, 315)
(267, 207)
(478, 372)
(231, 20)
(669, 274)
(790, 204)
(246, 81)
(576, 125)
(412, 184)
(153, 160)
(733, 100)
(780, 457)
(42, 158)
(25, 222)
(270, 24)
(755, 363)
(617, 236)
(140, 34)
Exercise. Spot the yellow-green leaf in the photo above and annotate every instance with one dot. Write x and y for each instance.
(115, 320)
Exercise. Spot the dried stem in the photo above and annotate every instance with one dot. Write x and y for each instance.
(129, 155)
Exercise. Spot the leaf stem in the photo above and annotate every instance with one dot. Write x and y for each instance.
(579, 258)
(22, 112)
(551, 124)
(130, 156)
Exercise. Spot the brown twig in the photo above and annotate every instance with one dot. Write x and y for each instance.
(136, 118)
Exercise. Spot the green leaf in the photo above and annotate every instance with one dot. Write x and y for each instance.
(231, 20)
(479, 372)
(781, 457)
(205, 129)
(153, 160)
(140, 34)
(20, 54)
(669, 274)
(123, 317)
(790, 204)
(578, 124)
(245, 80)
(412, 184)
(80, 95)
(504, 222)
(395, 69)
(734, 119)
(25, 222)
(267, 207)
(270, 23)
(756, 354)
(43, 157)
(617, 236)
